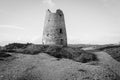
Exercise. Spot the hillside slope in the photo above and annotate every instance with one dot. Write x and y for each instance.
(45, 67)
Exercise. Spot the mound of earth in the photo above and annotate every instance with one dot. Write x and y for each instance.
(46, 67)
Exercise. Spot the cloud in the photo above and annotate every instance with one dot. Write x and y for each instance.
(12, 27)
(107, 3)
(4, 12)
(107, 0)
(50, 3)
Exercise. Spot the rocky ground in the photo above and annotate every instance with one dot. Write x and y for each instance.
(45, 67)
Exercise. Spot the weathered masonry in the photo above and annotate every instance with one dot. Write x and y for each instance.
(54, 32)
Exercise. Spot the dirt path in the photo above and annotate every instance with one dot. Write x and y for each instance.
(107, 60)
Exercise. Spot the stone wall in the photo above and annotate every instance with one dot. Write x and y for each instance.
(54, 29)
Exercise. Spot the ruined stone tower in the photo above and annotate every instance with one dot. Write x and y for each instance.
(54, 32)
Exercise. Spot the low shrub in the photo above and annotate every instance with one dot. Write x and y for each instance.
(4, 55)
(34, 49)
(17, 45)
(58, 52)
(86, 57)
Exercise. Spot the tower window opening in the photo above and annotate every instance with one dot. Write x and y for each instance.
(61, 31)
(60, 15)
(61, 41)
(47, 34)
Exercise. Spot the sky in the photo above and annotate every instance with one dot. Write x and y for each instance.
(87, 21)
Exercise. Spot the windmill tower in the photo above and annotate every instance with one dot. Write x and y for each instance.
(54, 32)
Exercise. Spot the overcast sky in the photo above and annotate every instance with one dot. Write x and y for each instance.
(87, 21)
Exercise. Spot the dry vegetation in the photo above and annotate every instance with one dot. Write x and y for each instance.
(74, 53)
